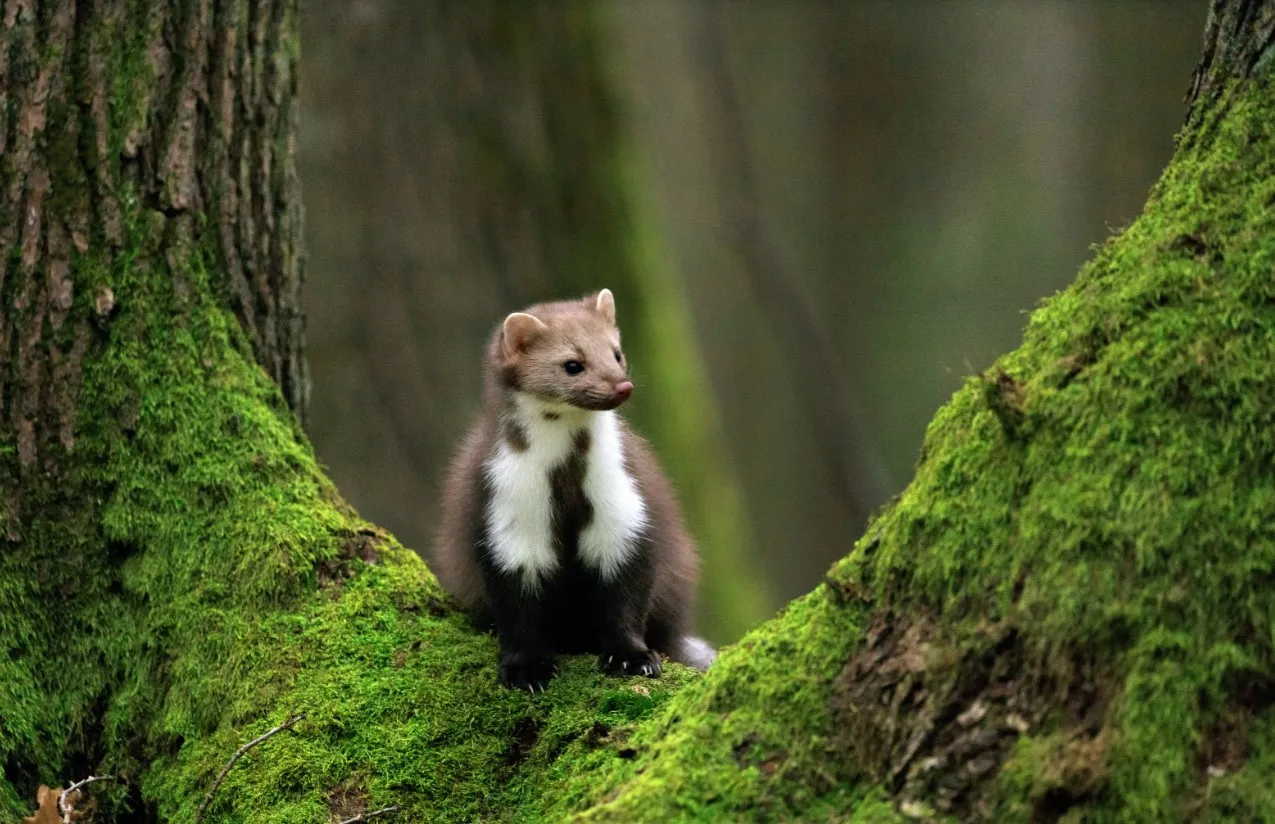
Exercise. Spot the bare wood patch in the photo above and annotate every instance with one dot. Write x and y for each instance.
(933, 720)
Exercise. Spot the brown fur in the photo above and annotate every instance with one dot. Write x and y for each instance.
(525, 356)
(572, 330)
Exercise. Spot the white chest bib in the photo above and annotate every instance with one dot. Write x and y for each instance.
(520, 511)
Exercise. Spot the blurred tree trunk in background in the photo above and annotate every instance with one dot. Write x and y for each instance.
(471, 158)
(924, 178)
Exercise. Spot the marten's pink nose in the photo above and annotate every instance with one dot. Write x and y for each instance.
(623, 389)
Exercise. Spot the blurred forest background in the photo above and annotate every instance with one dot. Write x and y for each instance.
(817, 217)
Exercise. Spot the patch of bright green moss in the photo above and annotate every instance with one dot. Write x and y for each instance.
(1128, 507)
(748, 741)
(1247, 794)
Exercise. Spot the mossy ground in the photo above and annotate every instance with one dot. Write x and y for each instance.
(218, 585)
(749, 741)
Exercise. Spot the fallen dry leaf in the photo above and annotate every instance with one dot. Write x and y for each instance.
(48, 809)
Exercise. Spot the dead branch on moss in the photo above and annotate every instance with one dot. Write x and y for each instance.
(67, 806)
(59, 805)
(374, 814)
(199, 814)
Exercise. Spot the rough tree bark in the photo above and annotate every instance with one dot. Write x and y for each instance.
(1068, 613)
(143, 147)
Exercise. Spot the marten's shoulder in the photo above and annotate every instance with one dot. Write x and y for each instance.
(454, 561)
(675, 547)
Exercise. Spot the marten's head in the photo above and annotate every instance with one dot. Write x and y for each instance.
(566, 353)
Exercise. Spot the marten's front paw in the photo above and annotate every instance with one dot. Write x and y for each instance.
(526, 671)
(630, 662)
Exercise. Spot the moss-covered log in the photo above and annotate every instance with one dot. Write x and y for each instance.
(1068, 613)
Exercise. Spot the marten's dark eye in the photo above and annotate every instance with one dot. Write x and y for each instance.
(573, 367)
(618, 357)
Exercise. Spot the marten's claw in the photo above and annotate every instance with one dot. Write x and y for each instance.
(526, 671)
(631, 662)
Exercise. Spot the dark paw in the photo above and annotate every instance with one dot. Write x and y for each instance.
(630, 662)
(526, 671)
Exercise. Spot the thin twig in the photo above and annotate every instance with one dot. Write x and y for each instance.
(199, 814)
(66, 809)
(369, 816)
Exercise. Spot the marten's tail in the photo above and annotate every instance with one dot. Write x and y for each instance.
(694, 652)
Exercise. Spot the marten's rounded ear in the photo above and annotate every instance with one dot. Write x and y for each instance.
(521, 330)
(606, 305)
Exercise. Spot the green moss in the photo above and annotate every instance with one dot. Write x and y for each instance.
(750, 740)
(131, 72)
(401, 706)
(1130, 508)
(232, 608)
(1246, 794)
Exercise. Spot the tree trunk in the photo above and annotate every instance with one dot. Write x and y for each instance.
(125, 126)
(147, 194)
(1067, 613)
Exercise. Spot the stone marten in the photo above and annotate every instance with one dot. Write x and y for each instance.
(558, 526)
